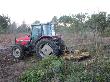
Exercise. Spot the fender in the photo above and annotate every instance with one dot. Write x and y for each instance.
(44, 37)
(48, 37)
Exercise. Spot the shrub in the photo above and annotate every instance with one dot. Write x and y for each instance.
(53, 69)
(95, 72)
(50, 68)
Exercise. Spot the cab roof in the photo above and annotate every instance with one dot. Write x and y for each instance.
(41, 24)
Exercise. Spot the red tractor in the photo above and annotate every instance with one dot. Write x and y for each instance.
(43, 41)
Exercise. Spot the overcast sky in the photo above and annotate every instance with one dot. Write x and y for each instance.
(44, 10)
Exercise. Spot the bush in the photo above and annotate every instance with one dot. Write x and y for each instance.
(95, 72)
(50, 68)
(53, 69)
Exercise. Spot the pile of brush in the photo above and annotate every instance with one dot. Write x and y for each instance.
(76, 54)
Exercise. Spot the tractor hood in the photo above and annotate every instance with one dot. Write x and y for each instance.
(23, 40)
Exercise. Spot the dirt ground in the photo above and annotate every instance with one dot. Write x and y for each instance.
(10, 69)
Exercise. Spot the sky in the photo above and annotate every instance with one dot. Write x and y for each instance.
(44, 10)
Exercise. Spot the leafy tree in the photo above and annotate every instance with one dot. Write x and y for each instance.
(37, 22)
(97, 22)
(55, 22)
(80, 17)
(66, 20)
(23, 28)
(4, 23)
(73, 23)
(108, 19)
(12, 28)
(79, 21)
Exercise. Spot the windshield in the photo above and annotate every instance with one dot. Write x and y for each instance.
(48, 30)
(36, 32)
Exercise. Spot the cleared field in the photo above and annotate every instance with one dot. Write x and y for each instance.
(11, 69)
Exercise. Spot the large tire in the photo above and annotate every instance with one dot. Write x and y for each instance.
(51, 46)
(17, 52)
(62, 46)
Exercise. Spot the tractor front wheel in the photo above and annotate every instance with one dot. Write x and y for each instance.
(17, 52)
(46, 47)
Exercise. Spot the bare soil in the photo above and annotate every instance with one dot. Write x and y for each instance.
(10, 69)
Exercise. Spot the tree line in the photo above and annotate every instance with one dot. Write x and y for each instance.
(97, 22)
(7, 27)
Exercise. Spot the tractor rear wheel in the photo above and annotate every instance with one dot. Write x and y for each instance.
(17, 52)
(62, 46)
(46, 47)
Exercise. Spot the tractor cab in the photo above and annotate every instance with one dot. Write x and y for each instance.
(42, 30)
(38, 31)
